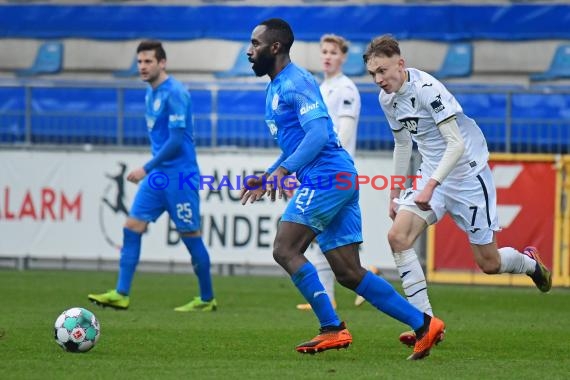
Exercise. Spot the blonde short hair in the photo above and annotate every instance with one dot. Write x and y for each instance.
(342, 43)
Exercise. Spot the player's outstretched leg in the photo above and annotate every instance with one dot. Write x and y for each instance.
(526, 262)
(329, 337)
(385, 298)
(542, 277)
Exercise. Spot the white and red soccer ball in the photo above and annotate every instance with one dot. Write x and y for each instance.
(77, 330)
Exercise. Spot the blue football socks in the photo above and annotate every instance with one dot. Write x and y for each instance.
(307, 281)
(130, 254)
(384, 297)
(201, 264)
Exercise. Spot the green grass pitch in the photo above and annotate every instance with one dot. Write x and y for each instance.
(492, 332)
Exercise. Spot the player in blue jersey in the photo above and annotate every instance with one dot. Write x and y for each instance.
(325, 205)
(170, 129)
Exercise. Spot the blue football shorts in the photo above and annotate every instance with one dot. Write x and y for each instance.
(181, 202)
(330, 208)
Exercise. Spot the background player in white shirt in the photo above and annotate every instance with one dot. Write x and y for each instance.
(455, 176)
(343, 102)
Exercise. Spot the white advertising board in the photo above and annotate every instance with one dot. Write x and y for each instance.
(74, 204)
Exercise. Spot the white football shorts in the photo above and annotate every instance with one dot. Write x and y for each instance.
(471, 202)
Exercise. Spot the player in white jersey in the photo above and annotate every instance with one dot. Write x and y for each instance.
(343, 103)
(339, 91)
(455, 176)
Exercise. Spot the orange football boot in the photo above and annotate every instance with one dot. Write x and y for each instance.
(330, 337)
(409, 338)
(425, 343)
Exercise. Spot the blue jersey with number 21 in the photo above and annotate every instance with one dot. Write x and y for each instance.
(292, 99)
(332, 212)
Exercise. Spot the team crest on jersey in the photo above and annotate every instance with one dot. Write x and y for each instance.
(272, 127)
(275, 102)
(150, 122)
(156, 105)
(411, 124)
(437, 105)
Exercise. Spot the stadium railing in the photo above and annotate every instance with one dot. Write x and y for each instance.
(513, 119)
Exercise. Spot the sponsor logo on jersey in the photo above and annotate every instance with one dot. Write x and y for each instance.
(309, 107)
(437, 105)
(410, 123)
(173, 118)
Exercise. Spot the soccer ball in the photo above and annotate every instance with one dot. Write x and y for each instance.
(77, 330)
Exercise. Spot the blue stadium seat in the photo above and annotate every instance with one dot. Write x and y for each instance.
(458, 61)
(559, 67)
(49, 60)
(12, 114)
(241, 66)
(132, 71)
(354, 65)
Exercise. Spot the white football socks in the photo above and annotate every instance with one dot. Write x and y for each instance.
(413, 279)
(512, 261)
